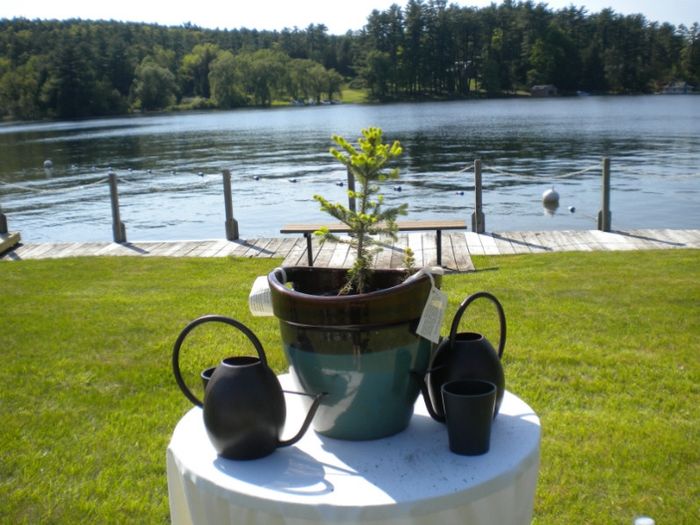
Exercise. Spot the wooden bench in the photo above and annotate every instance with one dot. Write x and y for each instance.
(438, 225)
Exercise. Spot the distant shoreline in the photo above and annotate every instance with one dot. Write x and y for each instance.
(5, 121)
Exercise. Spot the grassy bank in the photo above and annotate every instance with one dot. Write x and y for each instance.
(604, 346)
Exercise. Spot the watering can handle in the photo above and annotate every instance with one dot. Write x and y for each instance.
(193, 324)
(501, 318)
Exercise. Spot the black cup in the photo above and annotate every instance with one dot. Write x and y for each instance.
(469, 408)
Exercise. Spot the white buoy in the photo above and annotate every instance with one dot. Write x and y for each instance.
(550, 197)
(48, 164)
(572, 209)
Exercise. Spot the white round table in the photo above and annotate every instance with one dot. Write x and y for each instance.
(409, 478)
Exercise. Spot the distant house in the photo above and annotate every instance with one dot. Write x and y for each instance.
(544, 90)
(677, 88)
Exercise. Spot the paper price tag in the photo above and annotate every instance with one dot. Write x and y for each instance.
(433, 314)
(260, 298)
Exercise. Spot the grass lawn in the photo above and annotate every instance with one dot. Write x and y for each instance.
(604, 346)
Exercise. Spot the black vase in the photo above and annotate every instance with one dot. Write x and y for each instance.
(465, 355)
(244, 409)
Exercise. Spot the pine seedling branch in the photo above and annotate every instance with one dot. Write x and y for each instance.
(369, 163)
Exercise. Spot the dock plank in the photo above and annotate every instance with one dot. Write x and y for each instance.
(429, 249)
(415, 242)
(505, 247)
(295, 254)
(460, 253)
(325, 253)
(255, 248)
(340, 254)
(457, 247)
(489, 244)
(231, 248)
(518, 242)
(397, 254)
(383, 257)
(201, 248)
(474, 243)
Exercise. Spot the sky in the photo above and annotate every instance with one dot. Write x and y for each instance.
(338, 17)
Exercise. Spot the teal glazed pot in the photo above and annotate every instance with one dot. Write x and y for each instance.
(360, 350)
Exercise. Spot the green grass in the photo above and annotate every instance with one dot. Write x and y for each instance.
(354, 96)
(604, 346)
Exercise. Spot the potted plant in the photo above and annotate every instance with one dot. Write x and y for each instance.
(351, 333)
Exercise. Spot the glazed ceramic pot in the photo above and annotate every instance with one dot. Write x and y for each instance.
(361, 350)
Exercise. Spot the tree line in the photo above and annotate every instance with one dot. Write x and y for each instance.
(445, 50)
(427, 49)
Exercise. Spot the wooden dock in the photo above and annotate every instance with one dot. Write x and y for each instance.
(457, 247)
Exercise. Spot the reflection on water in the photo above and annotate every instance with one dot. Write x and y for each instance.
(170, 184)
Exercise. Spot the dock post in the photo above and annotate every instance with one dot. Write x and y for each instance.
(605, 215)
(231, 223)
(351, 188)
(118, 228)
(3, 223)
(478, 220)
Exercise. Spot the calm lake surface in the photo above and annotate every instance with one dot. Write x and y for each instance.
(170, 184)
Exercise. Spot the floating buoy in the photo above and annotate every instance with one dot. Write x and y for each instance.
(48, 164)
(256, 177)
(200, 173)
(459, 193)
(550, 197)
(397, 188)
(572, 209)
(293, 180)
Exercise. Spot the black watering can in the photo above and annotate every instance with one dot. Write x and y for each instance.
(465, 355)
(244, 408)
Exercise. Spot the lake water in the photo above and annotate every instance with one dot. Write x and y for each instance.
(170, 185)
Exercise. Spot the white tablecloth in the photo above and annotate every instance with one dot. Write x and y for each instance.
(409, 478)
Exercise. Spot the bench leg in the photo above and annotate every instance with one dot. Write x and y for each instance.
(438, 237)
(309, 254)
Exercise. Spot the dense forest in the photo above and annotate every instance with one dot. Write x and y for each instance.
(425, 50)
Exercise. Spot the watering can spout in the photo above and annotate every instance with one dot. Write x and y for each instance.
(307, 421)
